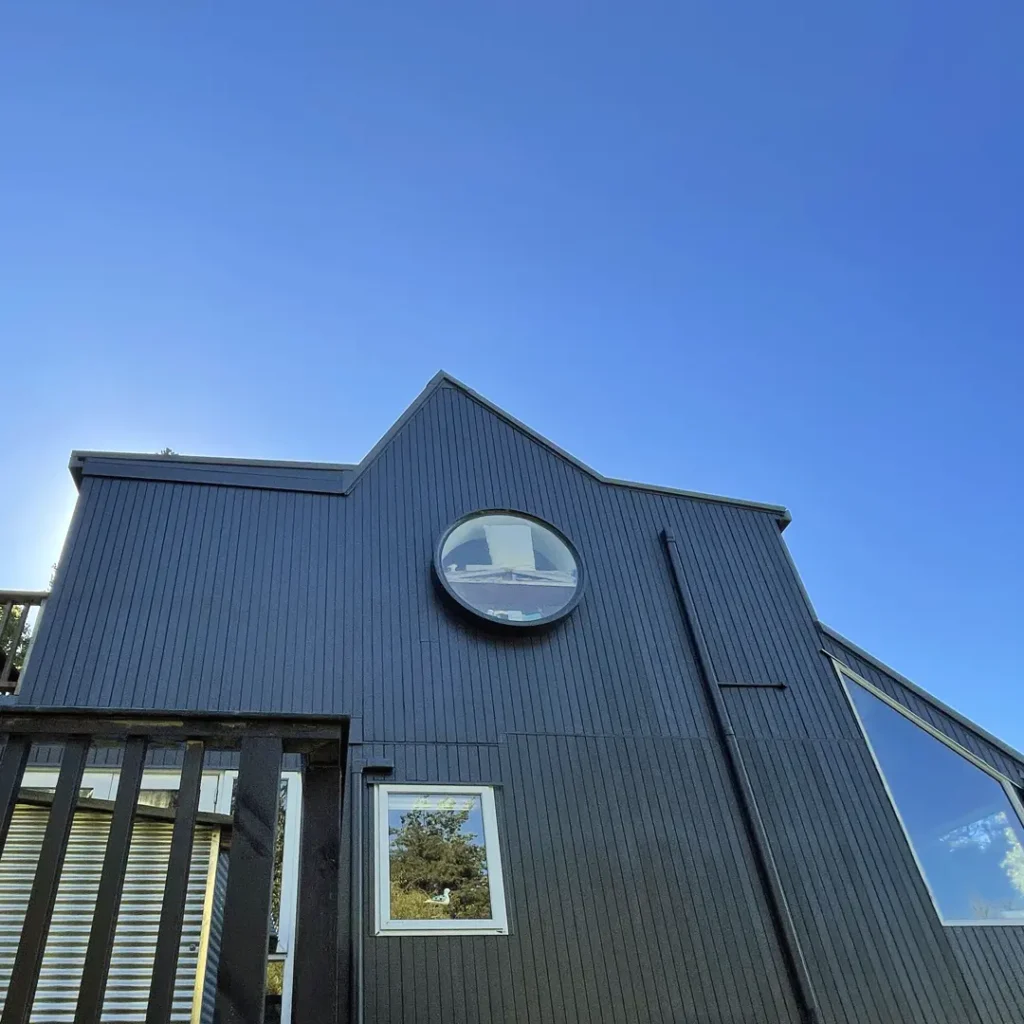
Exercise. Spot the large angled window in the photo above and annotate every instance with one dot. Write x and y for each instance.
(964, 827)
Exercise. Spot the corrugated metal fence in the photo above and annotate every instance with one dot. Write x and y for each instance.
(135, 939)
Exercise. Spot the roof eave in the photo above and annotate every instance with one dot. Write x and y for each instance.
(442, 378)
(919, 691)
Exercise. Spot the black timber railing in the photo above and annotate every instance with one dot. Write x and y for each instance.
(262, 743)
(18, 621)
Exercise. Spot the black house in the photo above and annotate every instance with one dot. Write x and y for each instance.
(550, 748)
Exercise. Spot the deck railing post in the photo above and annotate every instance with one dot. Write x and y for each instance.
(172, 913)
(13, 759)
(25, 975)
(316, 981)
(243, 947)
(242, 975)
(108, 897)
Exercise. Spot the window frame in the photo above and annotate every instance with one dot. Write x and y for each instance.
(510, 625)
(846, 676)
(384, 925)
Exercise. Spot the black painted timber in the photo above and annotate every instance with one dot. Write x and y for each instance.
(172, 911)
(746, 798)
(316, 989)
(242, 974)
(108, 895)
(314, 481)
(13, 759)
(633, 890)
(35, 928)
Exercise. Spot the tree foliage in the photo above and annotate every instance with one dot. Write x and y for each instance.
(1013, 862)
(10, 631)
(431, 852)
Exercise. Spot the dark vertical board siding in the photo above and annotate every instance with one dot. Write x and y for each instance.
(933, 715)
(220, 887)
(754, 616)
(192, 596)
(991, 959)
(633, 893)
(625, 903)
(856, 892)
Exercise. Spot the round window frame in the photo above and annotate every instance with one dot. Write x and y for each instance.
(509, 625)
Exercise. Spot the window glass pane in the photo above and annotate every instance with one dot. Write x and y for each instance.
(509, 568)
(963, 827)
(166, 798)
(438, 857)
(83, 794)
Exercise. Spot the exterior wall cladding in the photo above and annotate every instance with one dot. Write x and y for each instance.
(633, 888)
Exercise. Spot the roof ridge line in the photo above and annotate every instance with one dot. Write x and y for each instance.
(440, 379)
(780, 511)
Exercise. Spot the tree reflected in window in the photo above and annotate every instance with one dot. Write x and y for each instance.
(961, 822)
(438, 857)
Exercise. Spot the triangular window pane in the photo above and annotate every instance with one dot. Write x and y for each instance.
(962, 825)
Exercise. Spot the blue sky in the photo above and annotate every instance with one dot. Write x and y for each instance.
(772, 251)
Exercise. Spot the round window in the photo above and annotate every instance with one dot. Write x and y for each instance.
(509, 567)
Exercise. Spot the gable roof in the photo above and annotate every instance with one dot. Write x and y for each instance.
(443, 379)
(342, 478)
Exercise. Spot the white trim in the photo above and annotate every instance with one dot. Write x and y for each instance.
(31, 641)
(160, 778)
(497, 924)
(46, 778)
(846, 676)
(290, 865)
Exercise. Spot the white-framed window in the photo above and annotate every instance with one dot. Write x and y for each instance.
(438, 861)
(963, 819)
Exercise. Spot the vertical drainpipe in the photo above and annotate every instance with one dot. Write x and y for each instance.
(803, 989)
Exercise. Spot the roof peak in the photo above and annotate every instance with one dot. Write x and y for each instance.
(440, 379)
(443, 377)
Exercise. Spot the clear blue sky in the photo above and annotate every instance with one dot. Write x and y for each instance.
(772, 251)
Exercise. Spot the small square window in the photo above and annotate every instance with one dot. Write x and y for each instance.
(438, 862)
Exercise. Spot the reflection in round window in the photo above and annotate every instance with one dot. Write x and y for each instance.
(510, 568)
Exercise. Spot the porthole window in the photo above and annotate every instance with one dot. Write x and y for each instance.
(509, 568)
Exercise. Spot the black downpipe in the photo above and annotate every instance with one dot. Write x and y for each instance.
(788, 939)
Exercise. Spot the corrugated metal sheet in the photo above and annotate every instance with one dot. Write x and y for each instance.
(216, 932)
(135, 940)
